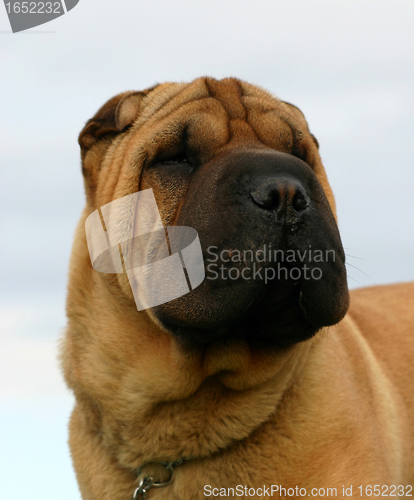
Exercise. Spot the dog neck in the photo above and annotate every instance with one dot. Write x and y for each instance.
(181, 405)
(156, 401)
(203, 406)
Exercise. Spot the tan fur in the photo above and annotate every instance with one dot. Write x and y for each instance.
(241, 416)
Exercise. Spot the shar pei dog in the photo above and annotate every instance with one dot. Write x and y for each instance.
(261, 376)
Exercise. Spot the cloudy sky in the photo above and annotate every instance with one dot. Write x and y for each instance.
(349, 65)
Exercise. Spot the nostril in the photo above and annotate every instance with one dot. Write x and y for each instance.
(300, 201)
(266, 198)
(277, 192)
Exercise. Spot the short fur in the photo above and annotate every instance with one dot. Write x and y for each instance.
(336, 409)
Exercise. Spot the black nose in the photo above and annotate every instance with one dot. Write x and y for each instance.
(281, 194)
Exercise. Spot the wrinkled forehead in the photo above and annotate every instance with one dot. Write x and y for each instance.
(210, 114)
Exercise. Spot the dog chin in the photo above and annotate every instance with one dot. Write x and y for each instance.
(269, 322)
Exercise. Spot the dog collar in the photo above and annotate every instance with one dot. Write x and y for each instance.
(146, 480)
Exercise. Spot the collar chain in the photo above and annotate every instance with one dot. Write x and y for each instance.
(146, 480)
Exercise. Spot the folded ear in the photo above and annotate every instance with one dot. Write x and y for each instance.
(128, 110)
(301, 118)
(112, 118)
(309, 153)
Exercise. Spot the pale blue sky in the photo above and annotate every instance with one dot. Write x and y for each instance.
(349, 65)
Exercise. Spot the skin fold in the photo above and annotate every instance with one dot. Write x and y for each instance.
(293, 382)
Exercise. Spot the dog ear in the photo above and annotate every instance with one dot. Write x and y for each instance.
(301, 117)
(112, 118)
(128, 110)
(306, 150)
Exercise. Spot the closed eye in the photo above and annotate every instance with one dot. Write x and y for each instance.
(175, 161)
(175, 164)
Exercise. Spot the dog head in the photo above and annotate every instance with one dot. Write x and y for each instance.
(240, 167)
